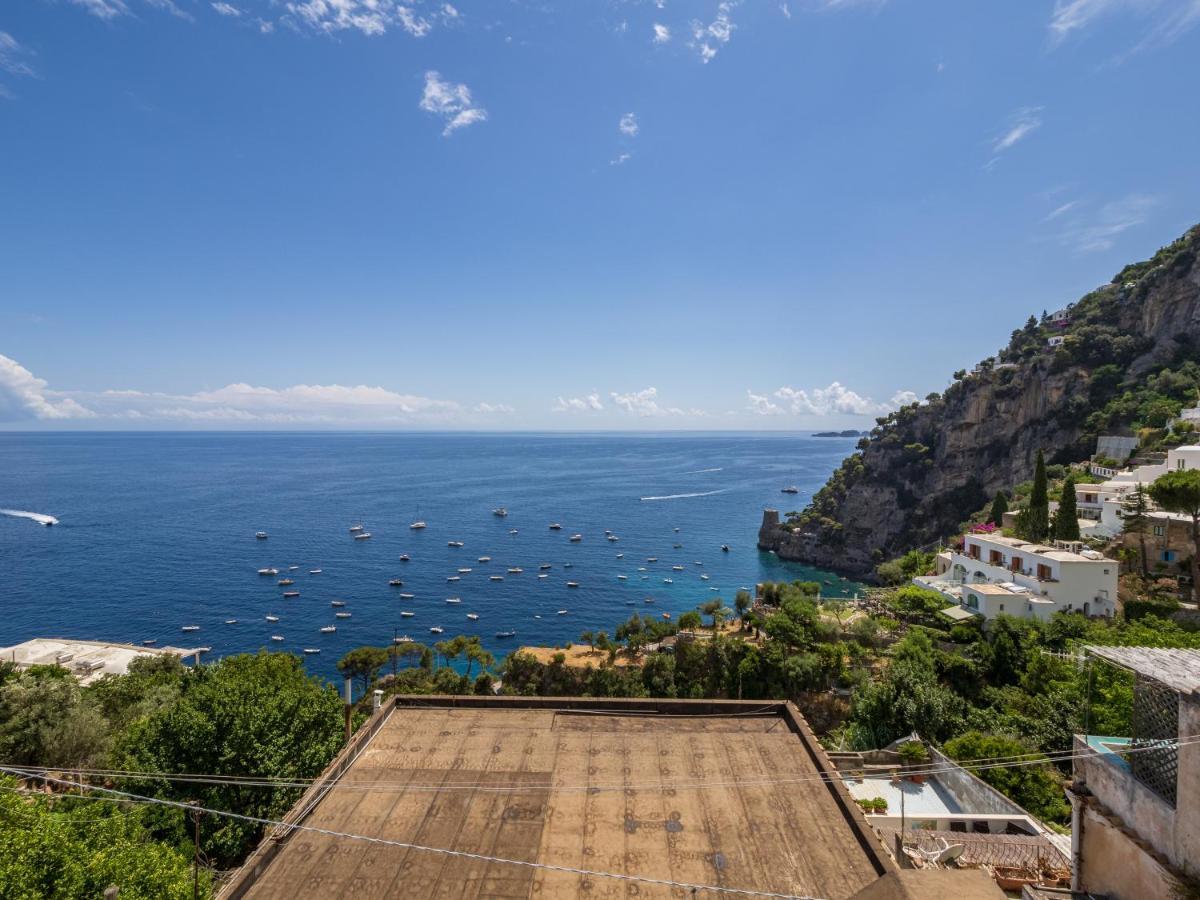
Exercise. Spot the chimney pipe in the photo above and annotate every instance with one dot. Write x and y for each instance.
(376, 701)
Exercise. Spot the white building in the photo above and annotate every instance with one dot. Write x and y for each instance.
(994, 575)
(1101, 503)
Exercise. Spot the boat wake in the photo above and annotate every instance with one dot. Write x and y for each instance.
(37, 517)
(684, 496)
(705, 471)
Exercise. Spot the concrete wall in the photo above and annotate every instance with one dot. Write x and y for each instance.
(1111, 862)
(969, 792)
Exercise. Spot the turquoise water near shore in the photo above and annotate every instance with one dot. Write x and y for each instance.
(157, 531)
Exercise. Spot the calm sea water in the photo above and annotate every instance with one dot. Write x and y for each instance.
(157, 531)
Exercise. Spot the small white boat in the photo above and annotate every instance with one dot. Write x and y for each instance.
(622, 578)
(291, 594)
(314, 571)
(790, 489)
(512, 531)
(328, 629)
(545, 566)
(572, 584)
(277, 637)
(714, 588)
(473, 616)
(454, 599)
(190, 628)
(677, 546)
(666, 615)
(506, 634)
(149, 642)
(268, 571)
(699, 563)
(543, 575)
(355, 529)
(724, 548)
(668, 581)
(651, 559)
(231, 621)
(562, 612)
(554, 526)
(365, 536)
(406, 596)
(704, 578)
(500, 511)
(404, 557)
(408, 614)
(485, 559)
(402, 639)
(575, 538)
(676, 568)
(341, 615)
(608, 531)
(463, 571)
(310, 651)
(396, 582)
(568, 565)
(284, 582)
(495, 578)
(292, 568)
(272, 618)
(454, 543)
(648, 600)
(417, 526)
(453, 578)
(620, 556)
(261, 535)
(641, 568)
(676, 530)
(515, 570)
(436, 629)
(337, 602)
(613, 538)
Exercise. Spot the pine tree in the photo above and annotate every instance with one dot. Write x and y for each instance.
(1066, 523)
(1135, 515)
(1034, 522)
(999, 508)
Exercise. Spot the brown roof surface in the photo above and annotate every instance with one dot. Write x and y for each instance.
(587, 787)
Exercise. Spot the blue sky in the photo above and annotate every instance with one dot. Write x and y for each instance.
(576, 215)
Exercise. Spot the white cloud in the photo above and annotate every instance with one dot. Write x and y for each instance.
(103, 9)
(370, 17)
(12, 57)
(662, 33)
(644, 404)
(783, 8)
(628, 125)
(493, 408)
(620, 159)
(413, 23)
(1022, 123)
(24, 397)
(1061, 210)
(708, 39)
(589, 403)
(171, 7)
(836, 399)
(1167, 20)
(453, 102)
(1093, 233)
(226, 9)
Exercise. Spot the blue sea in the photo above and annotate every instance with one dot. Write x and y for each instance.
(157, 531)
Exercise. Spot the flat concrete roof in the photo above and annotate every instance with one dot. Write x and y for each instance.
(88, 660)
(727, 793)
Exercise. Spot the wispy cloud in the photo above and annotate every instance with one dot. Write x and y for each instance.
(103, 9)
(1164, 20)
(644, 404)
(620, 159)
(371, 17)
(13, 61)
(226, 9)
(708, 39)
(836, 399)
(628, 125)
(1061, 210)
(171, 7)
(452, 102)
(1094, 232)
(587, 403)
(493, 409)
(1024, 122)
(662, 34)
(786, 10)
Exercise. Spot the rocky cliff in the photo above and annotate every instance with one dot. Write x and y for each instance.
(1123, 357)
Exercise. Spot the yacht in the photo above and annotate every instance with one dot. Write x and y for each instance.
(495, 578)
(314, 571)
(396, 582)
(404, 557)
(261, 535)
(554, 526)
(341, 615)
(676, 568)
(417, 526)
(149, 642)
(454, 599)
(543, 575)
(473, 616)
(506, 634)
(284, 582)
(436, 629)
(290, 594)
(277, 637)
(568, 565)
(676, 530)
(622, 578)
(292, 568)
(515, 570)
(463, 571)
(328, 629)
(485, 559)
(453, 578)
(651, 559)
(572, 584)
(545, 566)
(649, 600)
(365, 536)
(641, 568)
(576, 538)
(406, 596)
(500, 511)
(790, 489)
(403, 639)
(620, 556)
(272, 618)
(613, 538)
(337, 602)
(704, 578)
(406, 613)
(268, 571)
(310, 651)
(454, 543)
(190, 628)
(231, 621)
(512, 531)
(562, 612)
(355, 529)
(668, 581)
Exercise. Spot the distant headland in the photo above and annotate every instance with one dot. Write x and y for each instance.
(850, 432)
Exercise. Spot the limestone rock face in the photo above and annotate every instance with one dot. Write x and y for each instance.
(927, 467)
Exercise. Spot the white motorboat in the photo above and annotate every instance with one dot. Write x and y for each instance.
(408, 614)
(337, 602)
(554, 526)
(314, 571)
(284, 582)
(404, 557)
(485, 559)
(277, 637)
(261, 535)
(622, 578)
(190, 628)
(341, 615)
(473, 616)
(506, 634)
(704, 578)
(495, 578)
(464, 571)
(395, 582)
(620, 556)
(454, 543)
(512, 531)
(310, 651)
(575, 538)
(355, 529)
(290, 594)
(436, 629)
(668, 581)
(562, 612)
(268, 571)
(328, 629)
(651, 559)
(453, 578)
(272, 618)
(515, 570)
(231, 621)
(613, 538)
(454, 599)
(500, 511)
(293, 568)
(402, 639)
(543, 575)
(676, 568)
(572, 584)
(406, 596)
(149, 642)
(545, 566)
(417, 526)
(365, 536)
